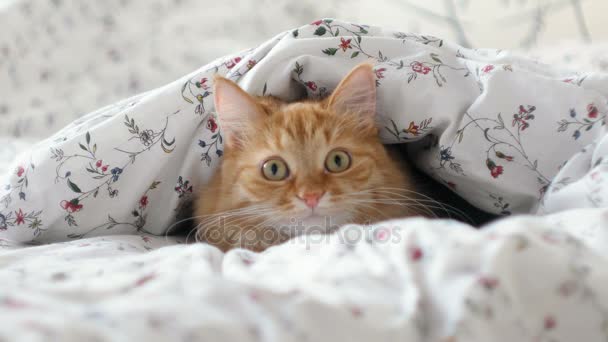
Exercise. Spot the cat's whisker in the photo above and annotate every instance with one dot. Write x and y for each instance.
(265, 222)
(240, 219)
(418, 208)
(362, 214)
(255, 228)
(393, 197)
(408, 205)
(409, 202)
(446, 208)
(246, 219)
(369, 206)
(229, 221)
(426, 199)
(403, 199)
(229, 213)
(175, 224)
(419, 202)
(235, 211)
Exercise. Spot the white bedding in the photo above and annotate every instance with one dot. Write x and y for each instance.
(507, 134)
(522, 278)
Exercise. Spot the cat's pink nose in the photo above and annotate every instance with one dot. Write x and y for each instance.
(311, 198)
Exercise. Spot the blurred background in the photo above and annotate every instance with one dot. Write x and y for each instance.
(60, 59)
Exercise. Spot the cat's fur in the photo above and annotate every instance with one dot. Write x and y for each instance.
(241, 208)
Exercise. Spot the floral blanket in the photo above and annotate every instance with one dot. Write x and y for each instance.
(508, 134)
(520, 279)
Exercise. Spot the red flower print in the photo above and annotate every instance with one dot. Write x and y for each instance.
(416, 253)
(233, 62)
(317, 22)
(592, 110)
(488, 68)
(20, 217)
(143, 202)
(14, 303)
(144, 279)
(550, 323)
(382, 234)
(380, 73)
(251, 64)
(20, 170)
(550, 238)
(521, 118)
(420, 68)
(211, 125)
(203, 83)
(345, 44)
(493, 236)
(488, 283)
(99, 163)
(356, 312)
(182, 187)
(254, 296)
(522, 110)
(509, 158)
(496, 171)
(413, 129)
(105, 168)
(311, 85)
(568, 80)
(71, 206)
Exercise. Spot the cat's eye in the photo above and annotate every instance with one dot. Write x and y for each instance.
(337, 161)
(275, 169)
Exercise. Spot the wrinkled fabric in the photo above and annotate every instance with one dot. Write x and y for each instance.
(494, 127)
(510, 135)
(521, 278)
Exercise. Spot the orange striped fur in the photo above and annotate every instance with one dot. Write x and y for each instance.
(240, 205)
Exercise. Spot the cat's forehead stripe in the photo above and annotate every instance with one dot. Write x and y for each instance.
(301, 121)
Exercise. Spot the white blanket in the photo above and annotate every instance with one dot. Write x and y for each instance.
(521, 279)
(506, 133)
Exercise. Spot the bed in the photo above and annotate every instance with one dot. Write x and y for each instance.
(86, 251)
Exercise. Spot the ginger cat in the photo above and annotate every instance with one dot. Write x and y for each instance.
(302, 167)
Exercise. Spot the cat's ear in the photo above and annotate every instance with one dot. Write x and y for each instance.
(236, 110)
(356, 93)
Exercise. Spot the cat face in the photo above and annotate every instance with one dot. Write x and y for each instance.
(312, 164)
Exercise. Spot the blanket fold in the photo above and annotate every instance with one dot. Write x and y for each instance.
(494, 127)
(506, 133)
